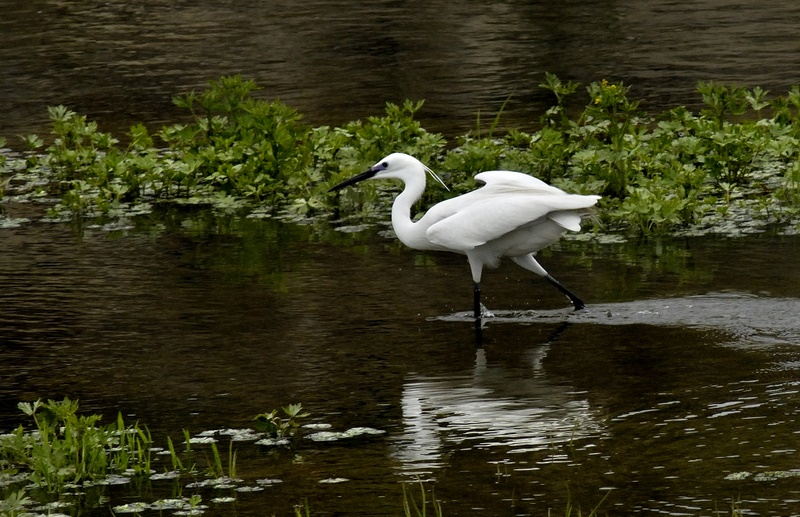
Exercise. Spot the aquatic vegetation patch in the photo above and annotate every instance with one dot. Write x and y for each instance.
(178, 506)
(276, 426)
(193, 491)
(66, 449)
(64, 456)
(738, 159)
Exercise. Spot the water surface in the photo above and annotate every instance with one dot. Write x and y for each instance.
(122, 62)
(681, 398)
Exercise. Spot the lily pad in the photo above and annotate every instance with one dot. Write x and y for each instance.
(332, 436)
(317, 426)
(273, 442)
(7, 222)
(165, 475)
(250, 489)
(268, 481)
(131, 508)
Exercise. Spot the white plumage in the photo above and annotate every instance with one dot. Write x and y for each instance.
(513, 215)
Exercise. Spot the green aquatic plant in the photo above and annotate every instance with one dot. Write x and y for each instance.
(302, 509)
(177, 464)
(217, 467)
(412, 509)
(70, 448)
(556, 115)
(722, 100)
(657, 207)
(277, 426)
(15, 504)
(239, 144)
(239, 153)
(495, 122)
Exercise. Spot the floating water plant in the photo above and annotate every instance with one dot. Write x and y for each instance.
(771, 475)
(178, 506)
(333, 436)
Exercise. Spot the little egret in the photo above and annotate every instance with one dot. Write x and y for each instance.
(513, 215)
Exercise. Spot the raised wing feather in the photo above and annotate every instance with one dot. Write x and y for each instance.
(510, 180)
(566, 219)
(493, 217)
(510, 200)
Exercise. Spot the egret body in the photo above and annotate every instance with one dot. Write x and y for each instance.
(513, 215)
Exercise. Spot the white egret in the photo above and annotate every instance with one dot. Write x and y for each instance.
(514, 215)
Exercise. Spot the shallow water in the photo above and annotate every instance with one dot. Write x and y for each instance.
(335, 61)
(684, 397)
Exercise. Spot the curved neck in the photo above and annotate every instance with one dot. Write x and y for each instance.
(407, 230)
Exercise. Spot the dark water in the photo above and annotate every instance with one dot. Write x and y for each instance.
(683, 372)
(121, 62)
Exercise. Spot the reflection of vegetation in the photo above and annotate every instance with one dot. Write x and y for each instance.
(621, 270)
(656, 173)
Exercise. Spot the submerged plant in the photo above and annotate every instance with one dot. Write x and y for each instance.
(570, 508)
(412, 509)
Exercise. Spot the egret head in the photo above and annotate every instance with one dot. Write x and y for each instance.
(395, 166)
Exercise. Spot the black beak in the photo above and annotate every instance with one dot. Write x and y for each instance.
(367, 174)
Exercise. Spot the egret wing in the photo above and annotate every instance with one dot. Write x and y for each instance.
(568, 219)
(493, 215)
(515, 182)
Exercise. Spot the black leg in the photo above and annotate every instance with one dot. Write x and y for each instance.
(577, 302)
(476, 312)
(476, 301)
